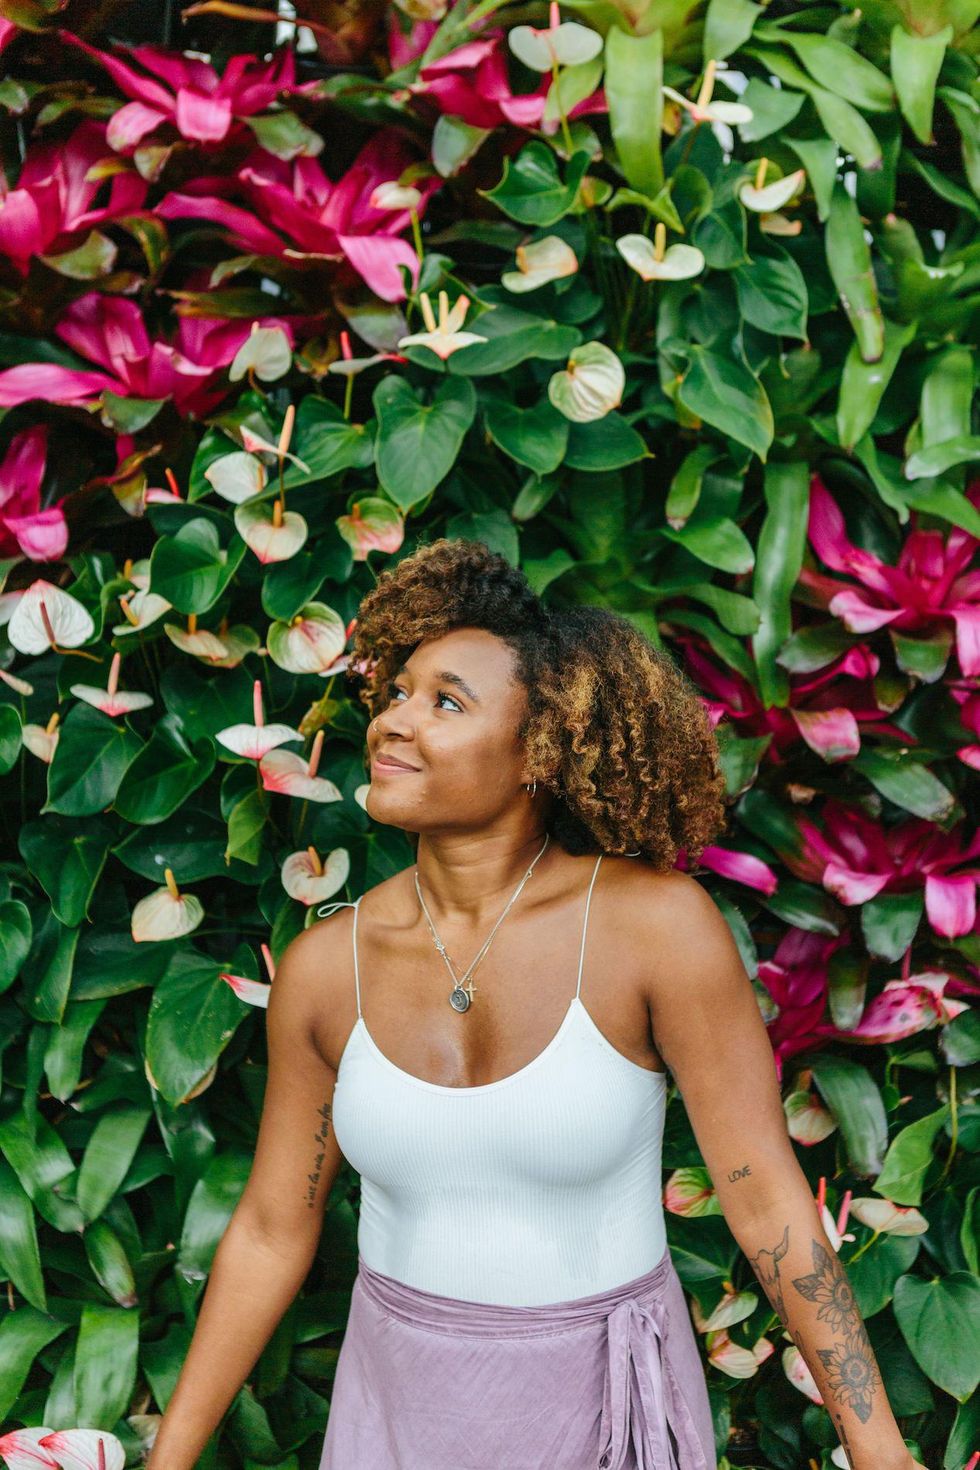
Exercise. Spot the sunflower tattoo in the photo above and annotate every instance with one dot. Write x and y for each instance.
(850, 1364)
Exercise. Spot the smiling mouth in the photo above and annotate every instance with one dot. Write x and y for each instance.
(389, 763)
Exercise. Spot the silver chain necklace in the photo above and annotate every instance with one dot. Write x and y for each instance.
(461, 996)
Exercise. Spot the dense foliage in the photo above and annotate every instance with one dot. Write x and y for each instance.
(673, 305)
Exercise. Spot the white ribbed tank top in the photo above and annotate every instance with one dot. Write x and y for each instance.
(540, 1187)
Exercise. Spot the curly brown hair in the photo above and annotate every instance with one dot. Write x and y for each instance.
(613, 728)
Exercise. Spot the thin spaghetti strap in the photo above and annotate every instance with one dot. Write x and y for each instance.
(324, 911)
(585, 925)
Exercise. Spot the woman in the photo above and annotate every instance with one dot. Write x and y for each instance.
(516, 1304)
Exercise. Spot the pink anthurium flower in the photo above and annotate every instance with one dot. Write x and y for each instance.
(936, 581)
(372, 524)
(736, 1361)
(48, 213)
(42, 740)
(237, 476)
(443, 337)
(166, 913)
(307, 878)
(239, 640)
(188, 93)
(253, 992)
(286, 772)
(886, 1218)
(274, 534)
(311, 642)
(39, 534)
(199, 642)
(85, 1449)
(799, 1375)
(807, 1120)
(112, 700)
(255, 741)
(21, 1449)
(691, 1192)
(48, 617)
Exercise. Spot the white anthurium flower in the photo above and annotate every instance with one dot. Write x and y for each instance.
(137, 572)
(42, 740)
(799, 1375)
(888, 1218)
(654, 262)
(112, 700)
(361, 794)
(704, 109)
(140, 609)
(836, 1233)
(237, 476)
(166, 913)
(311, 642)
(734, 1306)
(307, 878)
(423, 9)
(256, 444)
(272, 533)
(559, 43)
(392, 195)
(736, 1361)
(839, 1458)
(289, 774)
(256, 740)
(20, 686)
(540, 262)
(807, 1120)
(71, 1449)
(199, 642)
(265, 352)
(591, 384)
(763, 198)
(373, 524)
(8, 601)
(47, 617)
(347, 365)
(443, 337)
(778, 224)
(239, 640)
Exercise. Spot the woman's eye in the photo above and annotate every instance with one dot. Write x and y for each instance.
(394, 691)
(455, 702)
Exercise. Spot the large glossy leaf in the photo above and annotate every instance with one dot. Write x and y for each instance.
(849, 259)
(93, 754)
(418, 439)
(108, 1155)
(192, 569)
(909, 1156)
(772, 294)
(165, 772)
(915, 63)
(105, 1362)
(535, 437)
(940, 1321)
(532, 189)
(67, 856)
(853, 1098)
(634, 77)
(724, 393)
(192, 1017)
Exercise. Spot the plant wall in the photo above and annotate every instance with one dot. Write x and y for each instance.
(673, 305)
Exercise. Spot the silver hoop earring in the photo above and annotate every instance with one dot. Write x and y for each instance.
(531, 787)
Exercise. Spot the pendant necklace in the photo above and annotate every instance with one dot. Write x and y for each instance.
(461, 996)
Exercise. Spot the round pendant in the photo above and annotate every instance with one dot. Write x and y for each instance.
(459, 1000)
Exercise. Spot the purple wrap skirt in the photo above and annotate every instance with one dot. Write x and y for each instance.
(612, 1381)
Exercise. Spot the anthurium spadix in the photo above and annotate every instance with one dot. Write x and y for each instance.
(763, 198)
(704, 109)
(443, 337)
(652, 260)
(255, 741)
(590, 385)
(274, 534)
(166, 913)
(559, 43)
(540, 262)
(140, 609)
(70, 1449)
(266, 352)
(199, 642)
(286, 772)
(47, 617)
(112, 700)
(310, 643)
(309, 879)
(237, 476)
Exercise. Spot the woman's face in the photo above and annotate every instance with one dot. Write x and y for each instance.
(451, 721)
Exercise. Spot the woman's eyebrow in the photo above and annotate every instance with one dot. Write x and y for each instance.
(448, 677)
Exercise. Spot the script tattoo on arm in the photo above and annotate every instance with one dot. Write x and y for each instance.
(849, 1362)
(321, 1138)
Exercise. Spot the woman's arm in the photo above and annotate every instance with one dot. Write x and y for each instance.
(268, 1248)
(709, 1031)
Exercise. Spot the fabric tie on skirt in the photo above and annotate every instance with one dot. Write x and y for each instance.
(633, 1342)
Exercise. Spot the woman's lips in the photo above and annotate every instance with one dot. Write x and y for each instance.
(390, 765)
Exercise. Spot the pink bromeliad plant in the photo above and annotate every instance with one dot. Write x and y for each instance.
(40, 534)
(296, 212)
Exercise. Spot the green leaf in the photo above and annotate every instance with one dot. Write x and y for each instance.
(773, 109)
(907, 782)
(24, 1335)
(20, 1257)
(863, 383)
(608, 444)
(454, 143)
(327, 442)
(840, 120)
(106, 1352)
(417, 441)
(915, 65)
(838, 67)
(247, 823)
(941, 457)
(532, 190)
(852, 1095)
(909, 1156)
(940, 1321)
(782, 540)
(494, 527)
(192, 569)
(772, 295)
(161, 778)
(109, 1152)
(90, 760)
(535, 437)
(889, 923)
(727, 26)
(66, 857)
(513, 336)
(192, 1017)
(17, 931)
(723, 392)
(849, 260)
(960, 1039)
(716, 540)
(819, 157)
(634, 81)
